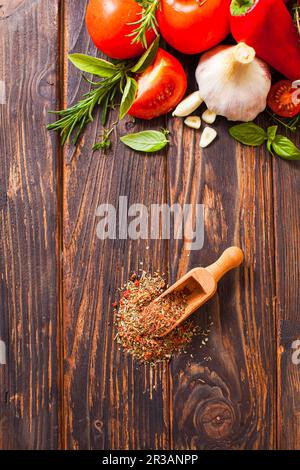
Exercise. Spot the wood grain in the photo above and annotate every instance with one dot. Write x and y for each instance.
(223, 395)
(111, 402)
(28, 213)
(66, 384)
(286, 177)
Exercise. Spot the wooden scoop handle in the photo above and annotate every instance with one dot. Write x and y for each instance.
(231, 258)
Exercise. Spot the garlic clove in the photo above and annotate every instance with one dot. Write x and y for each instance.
(193, 121)
(209, 116)
(188, 105)
(208, 136)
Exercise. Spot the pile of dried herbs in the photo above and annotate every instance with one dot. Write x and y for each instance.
(138, 327)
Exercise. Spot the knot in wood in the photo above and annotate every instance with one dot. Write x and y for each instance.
(98, 425)
(9, 7)
(129, 125)
(215, 419)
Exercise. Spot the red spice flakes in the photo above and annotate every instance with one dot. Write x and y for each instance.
(138, 326)
(126, 294)
(158, 317)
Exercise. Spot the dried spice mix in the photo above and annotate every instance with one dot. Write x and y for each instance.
(138, 325)
(158, 317)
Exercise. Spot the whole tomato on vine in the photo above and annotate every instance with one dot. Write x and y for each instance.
(193, 26)
(111, 25)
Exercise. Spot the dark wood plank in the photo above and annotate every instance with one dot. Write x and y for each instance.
(220, 396)
(287, 226)
(223, 395)
(111, 402)
(28, 223)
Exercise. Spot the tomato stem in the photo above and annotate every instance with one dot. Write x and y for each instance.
(240, 7)
(241, 3)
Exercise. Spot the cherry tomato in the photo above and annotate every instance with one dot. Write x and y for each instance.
(193, 26)
(160, 88)
(283, 99)
(108, 21)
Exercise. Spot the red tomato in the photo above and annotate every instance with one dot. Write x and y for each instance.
(193, 26)
(108, 21)
(160, 88)
(283, 99)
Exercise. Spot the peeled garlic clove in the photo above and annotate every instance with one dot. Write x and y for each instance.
(193, 121)
(209, 116)
(208, 135)
(188, 105)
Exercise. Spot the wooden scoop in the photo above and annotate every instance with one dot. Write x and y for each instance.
(200, 284)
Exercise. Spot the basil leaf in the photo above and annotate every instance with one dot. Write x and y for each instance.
(93, 65)
(147, 58)
(271, 131)
(128, 96)
(146, 141)
(285, 148)
(248, 133)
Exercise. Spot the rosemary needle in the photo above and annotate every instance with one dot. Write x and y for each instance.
(146, 21)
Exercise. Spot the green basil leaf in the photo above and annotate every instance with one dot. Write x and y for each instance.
(147, 58)
(285, 148)
(128, 96)
(248, 133)
(93, 65)
(146, 141)
(272, 131)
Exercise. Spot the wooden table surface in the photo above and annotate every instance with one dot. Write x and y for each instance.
(66, 384)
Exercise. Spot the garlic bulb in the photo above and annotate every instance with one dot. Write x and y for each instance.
(233, 82)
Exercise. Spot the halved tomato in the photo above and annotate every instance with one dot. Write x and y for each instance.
(284, 99)
(160, 88)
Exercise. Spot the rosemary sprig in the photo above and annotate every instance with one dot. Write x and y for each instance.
(118, 78)
(146, 21)
(78, 116)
